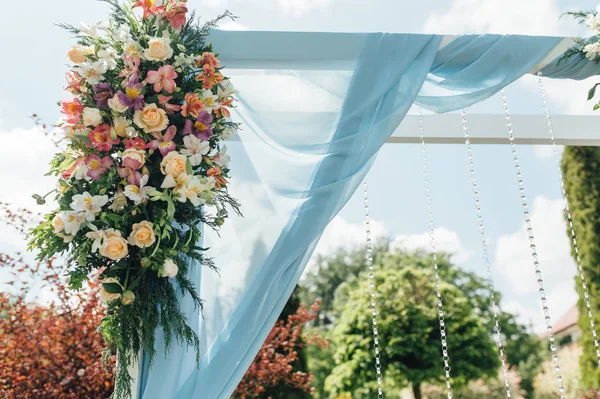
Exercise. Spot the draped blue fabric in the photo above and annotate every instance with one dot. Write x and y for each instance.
(309, 139)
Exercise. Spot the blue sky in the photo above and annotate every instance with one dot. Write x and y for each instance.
(33, 69)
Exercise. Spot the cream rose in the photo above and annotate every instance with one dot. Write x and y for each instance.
(159, 49)
(116, 105)
(106, 296)
(151, 119)
(77, 54)
(169, 269)
(91, 116)
(173, 164)
(142, 234)
(58, 224)
(134, 155)
(114, 246)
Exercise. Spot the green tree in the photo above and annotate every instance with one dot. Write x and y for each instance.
(409, 329)
(580, 167)
(329, 272)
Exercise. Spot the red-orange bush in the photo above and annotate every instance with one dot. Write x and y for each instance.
(274, 364)
(47, 351)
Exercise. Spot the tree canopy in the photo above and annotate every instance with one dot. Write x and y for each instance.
(409, 331)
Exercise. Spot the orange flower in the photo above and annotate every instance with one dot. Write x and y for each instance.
(209, 77)
(192, 106)
(223, 112)
(216, 174)
(209, 59)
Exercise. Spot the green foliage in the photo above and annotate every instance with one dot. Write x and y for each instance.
(408, 325)
(580, 167)
(330, 272)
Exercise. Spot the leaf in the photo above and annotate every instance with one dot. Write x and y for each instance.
(171, 209)
(134, 284)
(66, 164)
(84, 139)
(188, 168)
(596, 106)
(114, 217)
(113, 288)
(592, 92)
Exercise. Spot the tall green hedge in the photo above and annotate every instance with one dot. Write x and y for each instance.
(581, 168)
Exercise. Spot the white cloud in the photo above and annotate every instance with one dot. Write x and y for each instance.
(543, 151)
(446, 240)
(497, 16)
(301, 7)
(22, 167)
(564, 95)
(339, 233)
(513, 254)
(233, 25)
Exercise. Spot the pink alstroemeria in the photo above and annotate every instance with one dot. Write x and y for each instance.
(138, 143)
(72, 110)
(149, 7)
(130, 171)
(168, 107)
(73, 81)
(176, 14)
(100, 138)
(97, 166)
(132, 97)
(132, 66)
(164, 143)
(164, 78)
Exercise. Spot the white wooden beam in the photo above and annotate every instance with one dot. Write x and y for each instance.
(580, 130)
(307, 50)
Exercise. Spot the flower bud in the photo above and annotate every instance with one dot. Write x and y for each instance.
(128, 297)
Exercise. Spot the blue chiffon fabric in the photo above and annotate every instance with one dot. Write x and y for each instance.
(308, 140)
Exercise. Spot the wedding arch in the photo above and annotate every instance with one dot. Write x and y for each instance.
(316, 108)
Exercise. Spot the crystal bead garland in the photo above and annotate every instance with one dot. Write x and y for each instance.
(440, 305)
(486, 256)
(369, 260)
(534, 254)
(584, 287)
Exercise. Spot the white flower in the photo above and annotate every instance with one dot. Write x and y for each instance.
(222, 159)
(109, 57)
(138, 194)
(97, 236)
(93, 72)
(72, 221)
(169, 269)
(122, 127)
(226, 133)
(121, 34)
(593, 20)
(225, 89)
(91, 116)
(81, 172)
(92, 30)
(118, 202)
(131, 48)
(116, 105)
(210, 100)
(183, 60)
(195, 149)
(186, 187)
(89, 206)
(159, 49)
(591, 50)
(105, 296)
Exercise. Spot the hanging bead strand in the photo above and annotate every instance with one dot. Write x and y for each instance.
(440, 305)
(369, 260)
(584, 287)
(534, 254)
(486, 257)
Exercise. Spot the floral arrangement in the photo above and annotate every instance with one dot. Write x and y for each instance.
(588, 48)
(143, 170)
